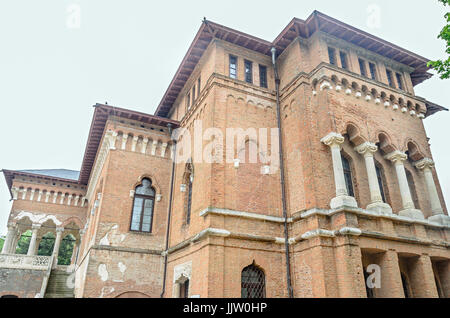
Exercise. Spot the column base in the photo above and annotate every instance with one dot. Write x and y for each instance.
(440, 218)
(412, 213)
(380, 207)
(343, 200)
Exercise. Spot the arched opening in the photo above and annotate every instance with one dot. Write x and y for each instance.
(253, 282)
(46, 244)
(66, 248)
(143, 206)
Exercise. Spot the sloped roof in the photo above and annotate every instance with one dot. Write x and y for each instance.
(317, 21)
(56, 173)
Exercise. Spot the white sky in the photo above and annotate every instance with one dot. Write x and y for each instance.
(126, 53)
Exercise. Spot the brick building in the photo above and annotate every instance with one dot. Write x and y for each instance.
(353, 189)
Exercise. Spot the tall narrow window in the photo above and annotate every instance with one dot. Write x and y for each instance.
(412, 189)
(399, 80)
(343, 57)
(253, 282)
(332, 55)
(362, 67)
(373, 71)
(198, 86)
(184, 289)
(348, 176)
(193, 95)
(188, 181)
(248, 71)
(390, 78)
(380, 182)
(369, 291)
(233, 66)
(188, 101)
(144, 200)
(263, 76)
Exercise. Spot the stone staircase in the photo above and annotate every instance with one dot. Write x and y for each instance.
(57, 285)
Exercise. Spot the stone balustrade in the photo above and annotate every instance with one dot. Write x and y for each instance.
(18, 261)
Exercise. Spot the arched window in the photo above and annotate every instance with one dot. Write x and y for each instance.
(412, 189)
(253, 282)
(405, 284)
(348, 176)
(144, 200)
(380, 176)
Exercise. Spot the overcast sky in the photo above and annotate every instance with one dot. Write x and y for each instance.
(53, 69)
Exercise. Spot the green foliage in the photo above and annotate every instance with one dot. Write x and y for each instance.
(2, 241)
(46, 246)
(443, 66)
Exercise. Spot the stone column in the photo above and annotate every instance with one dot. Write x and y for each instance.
(32, 246)
(59, 232)
(9, 239)
(15, 193)
(334, 141)
(32, 194)
(124, 141)
(134, 143)
(367, 149)
(426, 165)
(144, 145)
(398, 157)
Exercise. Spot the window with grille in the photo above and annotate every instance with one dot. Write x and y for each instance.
(362, 67)
(143, 205)
(343, 57)
(248, 71)
(348, 176)
(233, 66)
(253, 283)
(332, 55)
(399, 80)
(263, 76)
(373, 71)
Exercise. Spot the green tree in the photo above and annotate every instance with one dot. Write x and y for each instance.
(443, 66)
(2, 241)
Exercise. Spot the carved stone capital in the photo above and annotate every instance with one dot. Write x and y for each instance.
(366, 149)
(425, 163)
(333, 139)
(396, 157)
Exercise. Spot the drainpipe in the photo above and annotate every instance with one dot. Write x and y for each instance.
(283, 190)
(169, 213)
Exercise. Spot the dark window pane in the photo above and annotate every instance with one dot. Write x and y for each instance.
(373, 71)
(380, 182)
(248, 71)
(198, 86)
(390, 79)
(189, 202)
(332, 55)
(263, 76)
(233, 66)
(362, 67)
(348, 176)
(399, 81)
(344, 63)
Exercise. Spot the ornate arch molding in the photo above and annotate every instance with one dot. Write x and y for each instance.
(155, 183)
(384, 142)
(414, 151)
(132, 294)
(354, 134)
(75, 220)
